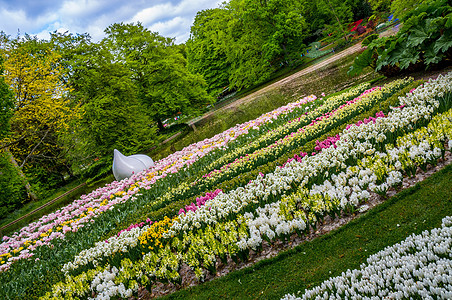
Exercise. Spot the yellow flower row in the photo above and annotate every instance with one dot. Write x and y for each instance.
(152, 237)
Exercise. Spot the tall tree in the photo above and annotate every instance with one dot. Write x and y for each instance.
(380, 5)
(41, 110)
(159, 71)
(11, 186)
(113, 115)
(206, 51)
(398, 7)
(6, 104)
(263, 36)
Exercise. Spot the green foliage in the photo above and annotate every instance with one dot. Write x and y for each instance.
(242, 43)
(424, 39)
(45, 178)
(97, 170)
(368, 39)
(124, 84)
(398, 7)
(401, 7)
(6, 104)
(206, 48)
(113, 116)
(340, 14)
(11, 186)
(159, 71)
(380, 5)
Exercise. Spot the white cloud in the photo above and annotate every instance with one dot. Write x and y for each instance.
(170, 18)
(13, 21)
(154, 13)
(173, 20)
(174, 28)
(80, 8)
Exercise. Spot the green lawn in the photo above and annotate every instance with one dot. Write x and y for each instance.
(411, 211)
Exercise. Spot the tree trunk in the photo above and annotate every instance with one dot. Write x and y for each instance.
(30, 192)
(160, 125)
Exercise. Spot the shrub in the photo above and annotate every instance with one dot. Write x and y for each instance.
(13, 192)
(424, 40)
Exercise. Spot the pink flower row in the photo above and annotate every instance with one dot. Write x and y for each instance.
(200, 201)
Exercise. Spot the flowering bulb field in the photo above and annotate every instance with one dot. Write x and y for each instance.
(222, 198)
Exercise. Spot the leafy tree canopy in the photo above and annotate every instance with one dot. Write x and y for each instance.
(263, 35)
(398, 7)
(6, 104)
(159, 71)
(41, 110)
(206, 48)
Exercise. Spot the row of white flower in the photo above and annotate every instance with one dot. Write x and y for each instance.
(107, 248)
(418, 267)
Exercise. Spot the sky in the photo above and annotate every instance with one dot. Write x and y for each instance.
(170, 18)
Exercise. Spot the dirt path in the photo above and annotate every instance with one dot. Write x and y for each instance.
(346, 52)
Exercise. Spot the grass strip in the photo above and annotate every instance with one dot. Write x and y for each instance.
(413, 210)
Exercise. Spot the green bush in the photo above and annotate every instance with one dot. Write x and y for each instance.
(13, 192)
(368, 39)
(425, 39)
(97, 170)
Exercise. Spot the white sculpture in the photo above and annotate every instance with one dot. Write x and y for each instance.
(125, 166)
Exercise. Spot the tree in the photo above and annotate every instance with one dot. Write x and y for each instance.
(380, 5)
(284, 27)
(401, 8)
(75, 51)
(206, 51)
(114, 117)
(263, 35)
(398, 7)
(6, 104)
(13, 191)
(41, 112)
(11, 184)
(159, 71)
(41, 108)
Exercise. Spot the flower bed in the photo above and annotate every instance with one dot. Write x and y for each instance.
(232, 223)
(101, 250)
(71, 218)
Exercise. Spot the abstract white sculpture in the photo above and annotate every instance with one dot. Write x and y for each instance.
(125, 166)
